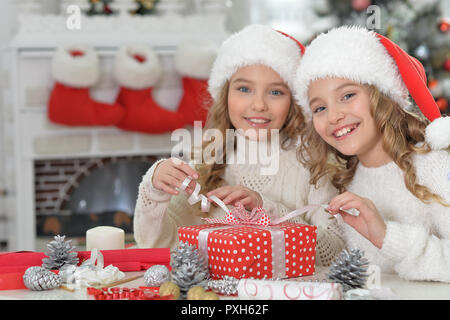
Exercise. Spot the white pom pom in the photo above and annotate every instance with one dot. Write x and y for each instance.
(437, 133)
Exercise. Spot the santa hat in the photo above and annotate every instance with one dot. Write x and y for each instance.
(367, 57)
(255, 44)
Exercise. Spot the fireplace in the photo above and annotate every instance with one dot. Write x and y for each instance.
(74, 195)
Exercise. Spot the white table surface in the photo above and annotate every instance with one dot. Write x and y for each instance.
(402, 289)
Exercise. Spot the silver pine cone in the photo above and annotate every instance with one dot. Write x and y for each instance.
(59, 253)
(39, 278)
(189, 275)
(185, 253)
(349, 269)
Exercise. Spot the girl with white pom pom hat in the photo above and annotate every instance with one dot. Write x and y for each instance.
(392, 164)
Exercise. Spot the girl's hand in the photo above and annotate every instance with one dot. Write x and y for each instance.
(368, 223)
(237, 194)
(170, 174)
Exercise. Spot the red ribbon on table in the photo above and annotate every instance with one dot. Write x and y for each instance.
(14, 264)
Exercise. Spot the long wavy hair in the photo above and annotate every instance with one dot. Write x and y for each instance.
(211, 174)
(401, 132)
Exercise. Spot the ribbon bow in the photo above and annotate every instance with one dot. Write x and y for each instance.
(238, 215)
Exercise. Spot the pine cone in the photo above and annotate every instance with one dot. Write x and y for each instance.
(59, 254)
(185, 253)
(189, 268)
(39, 278)
(188, 275)
(349, 269)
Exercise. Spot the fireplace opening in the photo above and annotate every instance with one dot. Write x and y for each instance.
(75, 195)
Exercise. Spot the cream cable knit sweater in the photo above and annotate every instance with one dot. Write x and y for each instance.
(158, 215)
(417, 242)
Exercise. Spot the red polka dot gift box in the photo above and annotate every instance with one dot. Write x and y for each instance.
(244, 251)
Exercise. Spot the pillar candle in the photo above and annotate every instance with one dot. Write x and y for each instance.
(105, 238)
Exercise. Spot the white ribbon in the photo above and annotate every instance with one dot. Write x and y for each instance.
(196, 197)
(90, 272)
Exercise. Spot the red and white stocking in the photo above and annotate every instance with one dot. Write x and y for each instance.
(137, 70)
(75, 70)
(193, 62)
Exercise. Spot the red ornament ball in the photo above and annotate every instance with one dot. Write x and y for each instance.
(447, 64)
(444, 25)
(360, 5)
(442, 103)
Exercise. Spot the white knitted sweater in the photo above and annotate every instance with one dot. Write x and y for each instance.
(417, 242)
(158, 215)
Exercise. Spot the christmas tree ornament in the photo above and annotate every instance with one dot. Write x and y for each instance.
(446, 64)
(195, 293)
(186, 253)
(444, 25)
(349, 269)
(38, 279)
(75, 70)
(188, 275)
(442, 103)
(145, 7)
(169, 288)
(422, 52)
(226, 286)
(435, 88)
(60, 253)
(360, 5)
(210, 295)
(156, 275)
(99, 7)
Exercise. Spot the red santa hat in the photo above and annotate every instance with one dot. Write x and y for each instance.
(255, 44)
(367, 57)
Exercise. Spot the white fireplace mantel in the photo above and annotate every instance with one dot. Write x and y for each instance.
(35, 138)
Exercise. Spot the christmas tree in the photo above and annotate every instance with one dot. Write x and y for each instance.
(418, 26)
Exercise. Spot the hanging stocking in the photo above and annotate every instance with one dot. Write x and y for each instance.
(75, 70)
(193, 62)
(137, 70)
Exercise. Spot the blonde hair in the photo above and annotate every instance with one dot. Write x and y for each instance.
(401, 131)
(210, 175)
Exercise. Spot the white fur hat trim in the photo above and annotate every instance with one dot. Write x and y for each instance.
(74, 70)
(255, 44)
(131, 73)
(352, 53)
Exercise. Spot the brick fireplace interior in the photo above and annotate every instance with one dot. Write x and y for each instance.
(74, 195)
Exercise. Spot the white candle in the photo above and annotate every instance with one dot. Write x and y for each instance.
(105, 238)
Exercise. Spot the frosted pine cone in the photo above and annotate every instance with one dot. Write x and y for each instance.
(59, 253)
(39, 278)
(349, 269)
